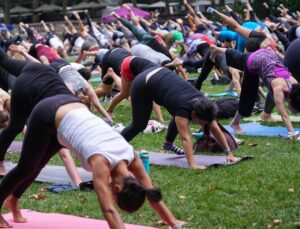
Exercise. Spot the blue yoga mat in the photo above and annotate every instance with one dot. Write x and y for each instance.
(256, 129)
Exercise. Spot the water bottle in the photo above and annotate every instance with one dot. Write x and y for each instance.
(198, 135)
(145, 159)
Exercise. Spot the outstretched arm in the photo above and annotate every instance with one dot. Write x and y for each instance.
(234, 25)
(191, 11)
(46, 28)
(139, 172)
(95, 101)
(101, 174)
(70, 24)
(279, 101)
(83, 31)
(21, 50)
(218, 134)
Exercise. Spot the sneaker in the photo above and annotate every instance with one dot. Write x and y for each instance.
(173, 148)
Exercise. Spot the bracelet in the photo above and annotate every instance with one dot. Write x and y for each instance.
(227, 150)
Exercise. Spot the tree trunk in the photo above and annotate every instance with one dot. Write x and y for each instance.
(35, 4)
(7, 7)
(167, 7)
(64, 5)
(133, 2)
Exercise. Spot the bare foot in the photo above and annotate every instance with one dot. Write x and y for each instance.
(12, 203)
(199, 167)
(232, 159)
(2, 168)
(267, 117)
(4, 223)
(237, 128)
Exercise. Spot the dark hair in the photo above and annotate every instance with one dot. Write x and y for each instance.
(32, 51)
(205, 109)
(85, 73)
(295, 97)
(4, 118)
(200, 28)
(132, 196)
(292, 33)
(253, 44)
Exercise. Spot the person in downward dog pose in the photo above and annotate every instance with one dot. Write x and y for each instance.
(264, 64)
(182, 100)
(62, 121)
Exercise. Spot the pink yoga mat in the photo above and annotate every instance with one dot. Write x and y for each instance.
(38, 220)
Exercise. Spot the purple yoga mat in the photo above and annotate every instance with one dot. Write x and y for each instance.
(15, 146)
(180, 161)
(123, 12)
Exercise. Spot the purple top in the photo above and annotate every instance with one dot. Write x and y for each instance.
(268, 66)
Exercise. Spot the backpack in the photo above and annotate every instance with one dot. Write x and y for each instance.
(227, 107)
(207, 141)
(224, 80)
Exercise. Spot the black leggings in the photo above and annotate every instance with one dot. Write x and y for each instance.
(208, 65)
(292, 59)
(142, 100)
(34, 83)
(250, 83)
(39, 145)
(7, 80)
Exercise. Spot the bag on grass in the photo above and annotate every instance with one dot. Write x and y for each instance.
(227, 107)
(207, 141)
(224, 80)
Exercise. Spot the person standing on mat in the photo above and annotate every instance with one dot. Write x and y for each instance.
(183, 101)
(63, 121)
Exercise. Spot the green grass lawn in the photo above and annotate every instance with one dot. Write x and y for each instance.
(251, 194)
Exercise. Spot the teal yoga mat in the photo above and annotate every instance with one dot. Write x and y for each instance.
(222, 94)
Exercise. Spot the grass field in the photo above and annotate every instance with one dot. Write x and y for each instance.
(260, 193)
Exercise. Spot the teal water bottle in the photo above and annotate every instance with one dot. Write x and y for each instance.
(145, 159)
